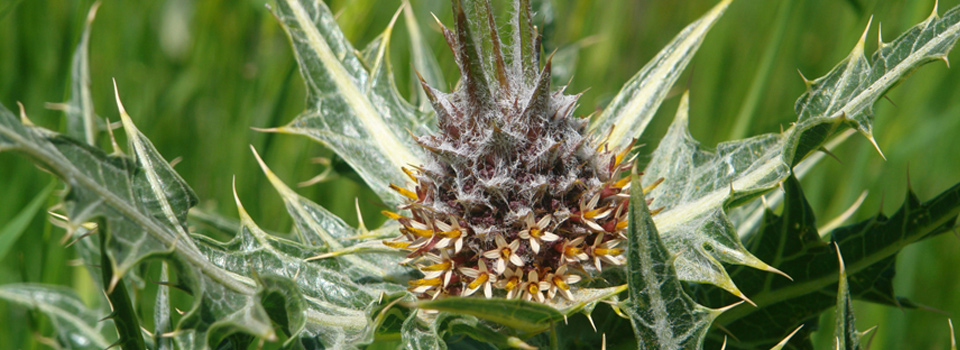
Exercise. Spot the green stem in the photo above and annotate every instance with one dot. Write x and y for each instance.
(123, 315)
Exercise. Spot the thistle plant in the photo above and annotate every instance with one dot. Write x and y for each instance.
(512, 181)
(512, 219)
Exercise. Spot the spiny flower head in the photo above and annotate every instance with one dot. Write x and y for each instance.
(514, 199)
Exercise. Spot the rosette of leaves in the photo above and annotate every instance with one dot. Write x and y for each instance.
(335, 286)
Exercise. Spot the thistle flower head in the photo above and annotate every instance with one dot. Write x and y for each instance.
(515, 199)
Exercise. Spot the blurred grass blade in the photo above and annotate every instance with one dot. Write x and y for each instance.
(6, 9)
(662, 314)
(13, 229)
(626, 117)
(760, 81)
(953, 335)
(424, 61)
(355, 112)
(77, 326)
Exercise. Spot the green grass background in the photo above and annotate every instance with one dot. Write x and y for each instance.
(196, 75)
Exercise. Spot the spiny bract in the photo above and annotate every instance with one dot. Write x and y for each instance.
(513, 197)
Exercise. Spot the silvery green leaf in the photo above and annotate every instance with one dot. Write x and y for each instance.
(696, 186)
(663, 315)
(699, 187)
(142, 203)
(352, 109)
(747, 218)
(421, 335)
(77, 326)
(337, 291)
(146, 204)
(328, 234)
(847, 93)
(627, 116)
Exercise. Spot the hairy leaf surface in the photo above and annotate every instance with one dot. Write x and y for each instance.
(77, 326)
(696, 185)
(700, 186)
(847, 93)
(143, 204)
(352, 108)
(663, 315)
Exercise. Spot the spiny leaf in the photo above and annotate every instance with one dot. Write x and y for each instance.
(847, 93)
(328, 233)
(334, 305)
(77, 326)
(143, 203)
(627, 116)
(285, 305)
(113, 187)
(891, 63)
(791, 243)
(845, 333)
(696, 185)
(782, 343)
(663, 315)
(740, 170)
(355, 112)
